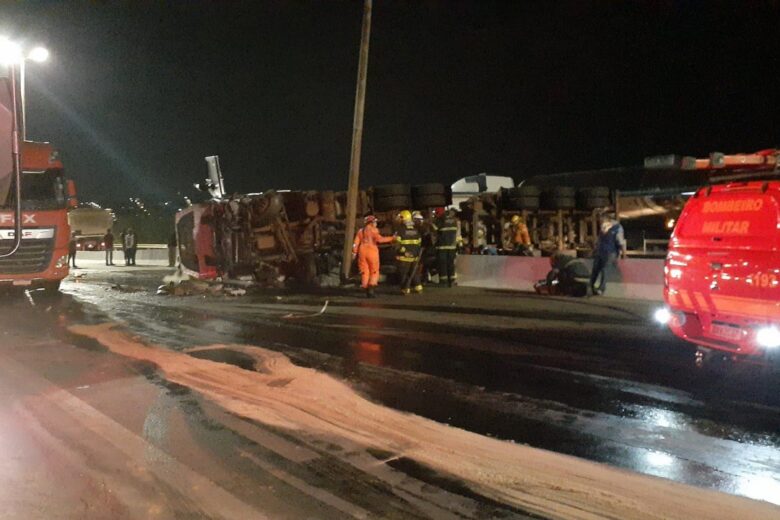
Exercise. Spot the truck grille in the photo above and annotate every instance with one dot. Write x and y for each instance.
(33, 256)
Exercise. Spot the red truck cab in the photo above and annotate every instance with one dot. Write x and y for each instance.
(722, 273)
(42, 257)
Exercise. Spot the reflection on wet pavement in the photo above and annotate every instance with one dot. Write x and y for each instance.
(632, 403)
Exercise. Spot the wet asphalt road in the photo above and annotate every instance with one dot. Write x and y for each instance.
(591, 378)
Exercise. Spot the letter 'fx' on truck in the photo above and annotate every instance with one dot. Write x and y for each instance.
(722, 273)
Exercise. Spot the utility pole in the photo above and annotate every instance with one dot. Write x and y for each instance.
(357, 140)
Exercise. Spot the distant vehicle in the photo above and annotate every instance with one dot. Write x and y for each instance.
(722, 273)
(90, 225)
(467, 187)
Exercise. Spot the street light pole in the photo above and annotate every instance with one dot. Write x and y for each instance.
(357, 140)
(23, 126)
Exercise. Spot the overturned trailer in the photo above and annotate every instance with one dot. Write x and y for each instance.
(268, 238)
(277, 237)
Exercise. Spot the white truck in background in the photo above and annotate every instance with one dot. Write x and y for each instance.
(89, 225)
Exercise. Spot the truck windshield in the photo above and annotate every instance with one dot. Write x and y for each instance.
(40, 190)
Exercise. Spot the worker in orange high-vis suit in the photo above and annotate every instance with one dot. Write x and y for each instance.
(365, 247)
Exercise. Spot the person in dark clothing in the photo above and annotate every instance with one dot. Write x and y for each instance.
(72, 248)
(447, 238)
(172, 249)
(108, 244)
(568, 276)
(611, 245)
(130, 241)
(408, 255)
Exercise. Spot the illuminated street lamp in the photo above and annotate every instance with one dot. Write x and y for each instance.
(11, 55)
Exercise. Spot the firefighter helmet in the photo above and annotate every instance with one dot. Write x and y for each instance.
(405, 215)
(369, 219)
(416, 215)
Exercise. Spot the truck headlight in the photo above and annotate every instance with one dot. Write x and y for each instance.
(768, 337)
(662, 315)
(61, 262)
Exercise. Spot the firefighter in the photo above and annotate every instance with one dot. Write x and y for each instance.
(365, 248)
(521, 238)
(447, 239)
(408, 255)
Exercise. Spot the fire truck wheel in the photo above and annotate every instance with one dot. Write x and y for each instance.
(392, 190)
(396, 202)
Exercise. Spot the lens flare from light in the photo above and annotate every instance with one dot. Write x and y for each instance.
(39, 54)
(10, 52)
(768, 337)
(662, 315)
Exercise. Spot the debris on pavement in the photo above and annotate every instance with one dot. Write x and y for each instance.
(292, 316)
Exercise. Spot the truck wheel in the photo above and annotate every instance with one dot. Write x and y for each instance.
(525, 202)
(594, 203)
(559, 203)
(430, 201)
(431, 188)
(392, 190)
(524, 191)
(396, 202)
(561, 192)
(594, 192)
(51, 287)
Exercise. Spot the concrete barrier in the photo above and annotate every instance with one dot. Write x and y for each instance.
(636, 278)
(149, 255)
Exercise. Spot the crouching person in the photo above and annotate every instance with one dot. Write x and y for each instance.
(568, 276)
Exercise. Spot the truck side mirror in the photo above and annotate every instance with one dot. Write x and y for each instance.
(73, 202)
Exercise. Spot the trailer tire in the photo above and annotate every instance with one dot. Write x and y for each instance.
(436, 200)
(560, 203)
(595, 192)
(392, 190)
(561, 192)
(525, 202)
(393, 203)
(524, 191)
(431, 188)
(594, 203)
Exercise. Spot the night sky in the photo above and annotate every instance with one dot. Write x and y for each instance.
(136, 94)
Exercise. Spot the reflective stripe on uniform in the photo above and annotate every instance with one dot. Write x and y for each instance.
(448, 229)
(410, 242)
(446, 247)
(406, 258)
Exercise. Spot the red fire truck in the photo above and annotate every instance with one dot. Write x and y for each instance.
(722, 273)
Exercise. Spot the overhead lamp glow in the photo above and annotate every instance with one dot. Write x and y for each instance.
(768, 337)
(39, 54)
(662, 315)
(10, 52)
